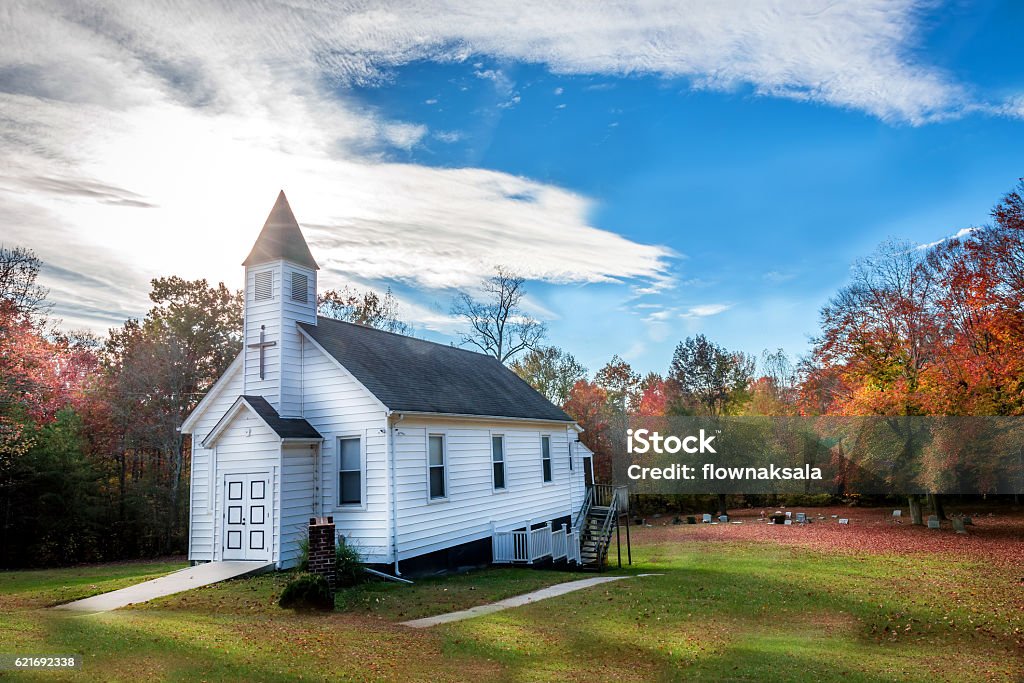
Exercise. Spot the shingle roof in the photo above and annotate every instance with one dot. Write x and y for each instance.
(281, 238)
(413, 375)
(284, 427)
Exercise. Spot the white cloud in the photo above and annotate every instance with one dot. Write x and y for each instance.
(140, 141)
(705, 310)
(962, 232)
(146, 138)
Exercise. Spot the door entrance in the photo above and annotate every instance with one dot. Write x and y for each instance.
(246, 517)
(588, 471)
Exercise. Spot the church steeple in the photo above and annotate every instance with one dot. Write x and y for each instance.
(280, 292)
(281, 238)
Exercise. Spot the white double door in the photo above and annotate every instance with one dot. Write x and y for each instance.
(247, 516)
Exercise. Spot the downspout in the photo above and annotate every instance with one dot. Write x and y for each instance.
(392, 433)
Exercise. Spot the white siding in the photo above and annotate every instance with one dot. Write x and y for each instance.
(266, 314)
(247, 445)
(337, 405)
(297, 486)
(472, 504)
(290, 339)
(201, 521)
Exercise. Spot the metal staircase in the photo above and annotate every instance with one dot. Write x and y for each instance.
(585, 544)
(598, 518)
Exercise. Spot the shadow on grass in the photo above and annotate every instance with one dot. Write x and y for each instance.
(801, 619)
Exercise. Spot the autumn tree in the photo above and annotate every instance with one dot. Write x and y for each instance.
(498, 325)
(621, 384)
(653, 396)
(588, 404)
(549, 370)
(706, 379)
(19, 286)
(774, 391)
(365, 307)
(159, 368)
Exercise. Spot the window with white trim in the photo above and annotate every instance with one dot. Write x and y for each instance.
(263, 289)
(350, 471)
(498, 461)
(545, 456)
(436, 466)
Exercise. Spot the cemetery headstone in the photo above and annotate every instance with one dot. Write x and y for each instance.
(844, 521)
(897, 514)
(958, 525)
(723, 518)
(707, 518)
(801, 517)
(933, 522)
(788, 522)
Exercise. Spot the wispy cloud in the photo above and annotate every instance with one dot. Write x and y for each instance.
(144, 138)
(705, 310)
(777, 276)
(962, 232)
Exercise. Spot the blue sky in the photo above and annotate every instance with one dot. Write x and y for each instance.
(657, 172)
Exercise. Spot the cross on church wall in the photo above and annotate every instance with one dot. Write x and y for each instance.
(262, 345)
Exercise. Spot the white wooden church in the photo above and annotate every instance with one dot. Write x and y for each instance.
(418, 450)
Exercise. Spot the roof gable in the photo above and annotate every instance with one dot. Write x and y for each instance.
(285, 428)
(281, 238)
(413, 375)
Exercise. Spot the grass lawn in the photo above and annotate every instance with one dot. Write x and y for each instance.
(733, 603)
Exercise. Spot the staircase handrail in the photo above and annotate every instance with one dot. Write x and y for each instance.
(604, 540)
(584, 510)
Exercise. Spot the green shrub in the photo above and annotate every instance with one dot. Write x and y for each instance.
(303, 560)
(348, 569)
(307, 592)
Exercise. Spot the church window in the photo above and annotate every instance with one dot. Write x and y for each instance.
(264, 286)
(299, 285)
(350, 472)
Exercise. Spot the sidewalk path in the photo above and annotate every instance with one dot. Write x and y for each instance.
(516, 601)
(175, 582)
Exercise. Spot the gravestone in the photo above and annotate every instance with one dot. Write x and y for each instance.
(723, 518)
(707, 518)
(801, 517)
(933, 522)
(788, 513)
(844, 521)
(958, 525)
(897, 514)
(788, 522)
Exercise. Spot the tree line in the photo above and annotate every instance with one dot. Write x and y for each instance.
(92, 463)
(93, 467)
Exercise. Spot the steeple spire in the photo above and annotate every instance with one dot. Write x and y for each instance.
(281, 238)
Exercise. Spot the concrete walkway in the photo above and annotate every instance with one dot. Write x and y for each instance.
(516, 601)
(175, 582)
